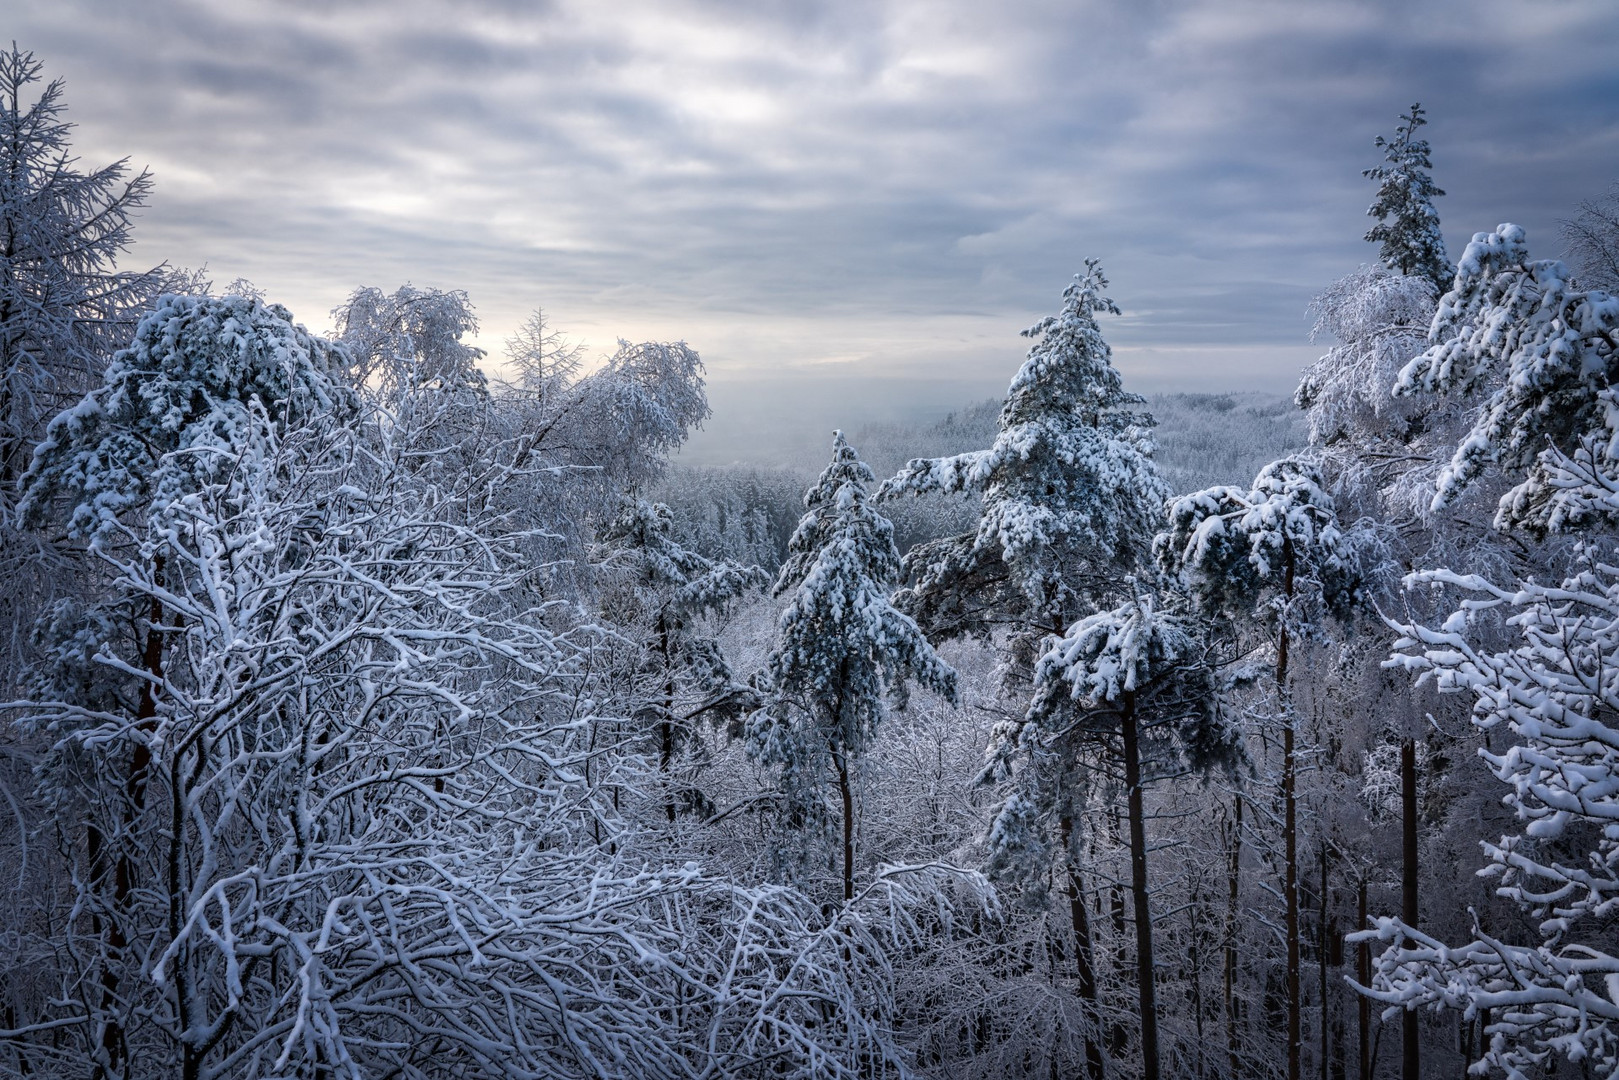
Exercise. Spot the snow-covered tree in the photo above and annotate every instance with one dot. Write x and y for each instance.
(64, 306)
(1555, 692)
(410, 341)
(1408, 224)
(1070, 493)
(1549, 423)
(843, 651)
(1378, 320)
(1550, 349)
(661, 594)
(340, 827)
(201, 375)
(1127, 696)
(1591, 241)
(571, 445)
(1268, 556)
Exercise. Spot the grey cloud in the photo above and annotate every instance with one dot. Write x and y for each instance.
(862, 175)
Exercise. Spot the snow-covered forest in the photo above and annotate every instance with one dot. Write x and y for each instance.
(378, 708)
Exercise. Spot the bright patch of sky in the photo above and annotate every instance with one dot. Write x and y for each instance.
(877, 190)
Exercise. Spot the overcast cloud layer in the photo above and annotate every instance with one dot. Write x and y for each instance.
(877, 188)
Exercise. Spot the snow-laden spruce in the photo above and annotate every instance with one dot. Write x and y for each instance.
(1408, 225)
(1555, 692)
(1554, 412)
(843, 651)
(1070, 494)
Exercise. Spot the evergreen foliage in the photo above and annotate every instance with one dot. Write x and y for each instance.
(1408, 225)
(64, 305)
(1548, 350)
(1069, 490)
(843, 651)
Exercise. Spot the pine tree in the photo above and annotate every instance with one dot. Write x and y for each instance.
(842, 649)
(660, 591)
(1132, 688)
(1546, 352)
(1070, 494)
(1408, 224)
(1265, 555)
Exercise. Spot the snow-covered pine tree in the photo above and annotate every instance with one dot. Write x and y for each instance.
(842, 649)
(660, 592)
(1071, 496)
(1550, 351)
(1408, 224)
(1131, 691)
(1265, 557)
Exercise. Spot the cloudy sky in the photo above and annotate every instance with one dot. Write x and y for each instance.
(867, 195)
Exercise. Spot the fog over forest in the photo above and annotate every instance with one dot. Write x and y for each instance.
(1203, 665)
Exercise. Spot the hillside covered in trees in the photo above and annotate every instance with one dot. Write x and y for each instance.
(376, 708)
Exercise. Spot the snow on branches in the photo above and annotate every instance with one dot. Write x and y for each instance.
(1408, 224)
(842, 649)
(1552, 345)
(1242, 552)
(203, 378)
(1556, 691)
(1070, 492)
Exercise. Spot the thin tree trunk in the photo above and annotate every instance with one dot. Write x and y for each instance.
(666, 721)
(1411, 1056)
(1234, 881)
(123, 868)
(1324, 953)
(1083, 961)
(1290, 890)
(847, 794)
(1193, 911)
(1363, 975)
(1138, 891)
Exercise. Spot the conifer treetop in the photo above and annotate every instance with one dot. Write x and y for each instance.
(1408, 224)
(1069, 489)
(202, 374)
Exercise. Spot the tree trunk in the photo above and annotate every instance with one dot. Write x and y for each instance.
(123, 869)
(666, 720)
(1290, 831)
(1138, 891)
(847, 794)
(1193, 911)
(1234, 881)
(1363, 975)
(1325, 953)
(1411, 1056)
(1083, 962)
